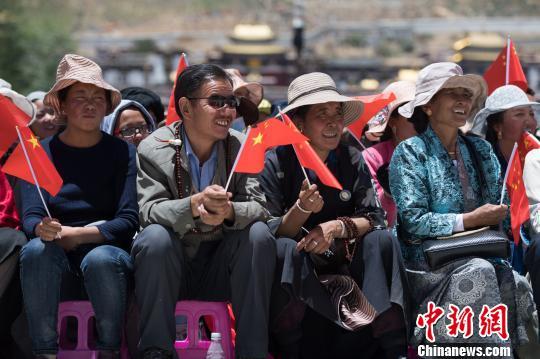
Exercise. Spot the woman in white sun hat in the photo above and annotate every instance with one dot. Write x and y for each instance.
(507, 114)
(323, 219)
(440, 191)
(394, 129)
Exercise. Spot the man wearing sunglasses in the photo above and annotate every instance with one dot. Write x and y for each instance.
(200, 242)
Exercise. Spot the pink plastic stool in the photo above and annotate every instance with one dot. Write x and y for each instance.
(193, 347)
(85, 346)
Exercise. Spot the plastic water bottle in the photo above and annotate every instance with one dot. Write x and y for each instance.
(215, 351)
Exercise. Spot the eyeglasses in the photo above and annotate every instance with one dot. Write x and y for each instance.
(132, 131)
(218, 102)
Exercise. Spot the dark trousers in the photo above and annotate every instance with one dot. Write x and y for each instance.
(378, 270)
(238, 268)
(532, 263)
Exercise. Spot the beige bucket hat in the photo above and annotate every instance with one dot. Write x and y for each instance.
(404, 92)
(440, 75)
(318, 87)
(75, 68)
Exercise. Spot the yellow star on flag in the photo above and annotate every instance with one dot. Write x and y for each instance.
(258, 140)
(34, 141)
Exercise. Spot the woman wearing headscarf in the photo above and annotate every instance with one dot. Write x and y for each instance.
(95, 214)
(438, 192)
(393, 128)
(130, 121)
(322, 219)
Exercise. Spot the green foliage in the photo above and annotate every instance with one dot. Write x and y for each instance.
(34, 34)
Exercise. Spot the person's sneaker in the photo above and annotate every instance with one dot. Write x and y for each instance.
(157, 353)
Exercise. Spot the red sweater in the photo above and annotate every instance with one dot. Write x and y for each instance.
(8, 212)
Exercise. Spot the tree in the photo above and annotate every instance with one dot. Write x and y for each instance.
(34, 35)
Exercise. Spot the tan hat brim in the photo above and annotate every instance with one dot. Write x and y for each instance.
(352, 108)
(52, 99)
(474, 83)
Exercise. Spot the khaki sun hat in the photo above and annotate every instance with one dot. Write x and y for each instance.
(404, 92)
(318, 87)
(440, 75)
(75, 68)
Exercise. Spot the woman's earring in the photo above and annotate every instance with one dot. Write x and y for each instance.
(499, 135)
(428, 112)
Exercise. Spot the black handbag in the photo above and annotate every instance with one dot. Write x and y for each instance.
(483, 242)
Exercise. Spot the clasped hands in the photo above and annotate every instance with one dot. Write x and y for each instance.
(212, 205)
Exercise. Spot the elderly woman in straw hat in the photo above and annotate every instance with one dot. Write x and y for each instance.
(393, 128)
(94, 214)
(439, 191)
(340, 233)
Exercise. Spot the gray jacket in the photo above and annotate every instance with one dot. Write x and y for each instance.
(157, 191)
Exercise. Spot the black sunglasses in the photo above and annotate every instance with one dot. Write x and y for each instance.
(217, 101)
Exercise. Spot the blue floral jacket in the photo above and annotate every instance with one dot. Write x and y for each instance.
(426, 187)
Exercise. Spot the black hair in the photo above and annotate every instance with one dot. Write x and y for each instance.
(492, 120)
(529, 91)
(193, 78)
(148, 98)
(299, 112)
(420, 120)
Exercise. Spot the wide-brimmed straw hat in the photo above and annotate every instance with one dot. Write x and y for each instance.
(253, 91)
(502, 99)
(75, 68)
(318, 87)
(441, 75)
(404, 92)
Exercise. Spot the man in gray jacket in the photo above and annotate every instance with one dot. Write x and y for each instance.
(200, 242)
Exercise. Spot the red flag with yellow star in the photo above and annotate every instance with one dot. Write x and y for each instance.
(172, 116)
(527, 143)
(260, 137)
(10, 116)
(519, 204)
(45, 173)
(308, 158)
(495, 75)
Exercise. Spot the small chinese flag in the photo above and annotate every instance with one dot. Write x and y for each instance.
(308, 158)
(172, 116)
(372, 105)
(519, 204)
(495, 75)
(527, 143)
(10, 116)
(260, 137)
(17, 165)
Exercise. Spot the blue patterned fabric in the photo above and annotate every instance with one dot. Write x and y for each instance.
(427, 190)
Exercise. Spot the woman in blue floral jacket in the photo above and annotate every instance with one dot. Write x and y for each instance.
(438, 192)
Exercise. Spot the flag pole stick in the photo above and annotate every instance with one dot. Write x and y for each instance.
(21, 143)
(507, 78)
(508, 170)
(236, 159)
(296, 154)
